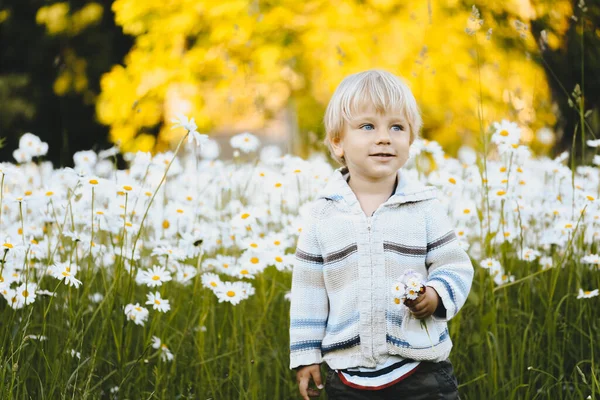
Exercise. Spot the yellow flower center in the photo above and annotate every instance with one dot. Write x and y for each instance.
(213, 284)
(504, 133)
(230, 293)
(245, 215)
(278, 259)
(452, 181)
(254, 260)
(156, 278)
(93, 182)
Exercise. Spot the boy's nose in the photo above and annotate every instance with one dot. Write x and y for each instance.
(383, 136)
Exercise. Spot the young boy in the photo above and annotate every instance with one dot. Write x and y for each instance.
(370, 224)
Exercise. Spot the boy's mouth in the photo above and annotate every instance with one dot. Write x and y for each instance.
(382, 155)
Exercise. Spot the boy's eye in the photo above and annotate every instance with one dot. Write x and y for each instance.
(400, 127)
(365, 125)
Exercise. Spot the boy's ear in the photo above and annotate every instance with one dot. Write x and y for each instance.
(337, 148)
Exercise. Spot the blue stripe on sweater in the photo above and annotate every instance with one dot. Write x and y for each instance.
(402, 343)
(448, 288)
(305, 345)
(308, 323)
(455, 277)
(394, 318)
(355, 341)
(335, 328)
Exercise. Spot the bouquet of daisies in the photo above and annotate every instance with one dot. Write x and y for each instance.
(406, 289)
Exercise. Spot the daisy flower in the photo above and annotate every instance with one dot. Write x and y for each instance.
(591, 143)
(253, 261)
(157, 302)
(587, 294)
(211, 281)
(165, 354)
(398, 293)
(33, 145)
(490, 263)
(506, 132)
(136, 313)
(529, 254)
(154, 277)
(501, 279)
(283, 262)
(546, 262)
(231, 292)
(246, 142)
(185, 274)
(25, 294)
(64, 271)
(591, 259)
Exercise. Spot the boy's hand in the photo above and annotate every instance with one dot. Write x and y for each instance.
(303, 376)
(424, 305)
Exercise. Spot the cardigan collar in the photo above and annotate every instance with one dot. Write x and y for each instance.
(408, 189)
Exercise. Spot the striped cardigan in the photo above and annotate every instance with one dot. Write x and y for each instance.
(342, 309)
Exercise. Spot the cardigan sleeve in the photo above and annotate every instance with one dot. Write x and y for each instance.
(309, 309)
(449, 267)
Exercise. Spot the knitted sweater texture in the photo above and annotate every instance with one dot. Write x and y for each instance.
(342, 310)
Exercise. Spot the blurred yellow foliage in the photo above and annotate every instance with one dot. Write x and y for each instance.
(4, 14)
(236, 64)
(72, 76)
(57, 19)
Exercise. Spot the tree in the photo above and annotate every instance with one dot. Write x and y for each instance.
(237, 64)
(52, 55)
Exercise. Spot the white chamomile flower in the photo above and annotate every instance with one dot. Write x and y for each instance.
(593, 143)
(587, 294)
(530, 254)
(546, 262)
(64, 271)
(246, 142)
(157, 302)
(490, 263)
(165, 354)
(211, 281)
(136, 313)
(506, 132)
(153, 277)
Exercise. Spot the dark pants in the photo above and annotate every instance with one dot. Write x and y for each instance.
(430, 381)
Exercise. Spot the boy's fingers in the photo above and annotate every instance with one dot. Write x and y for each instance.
(303, 385)
(316, 375)
(419, 307)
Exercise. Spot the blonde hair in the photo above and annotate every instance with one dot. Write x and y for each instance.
(384, 90)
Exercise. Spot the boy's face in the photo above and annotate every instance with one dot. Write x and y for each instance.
(370, 133)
